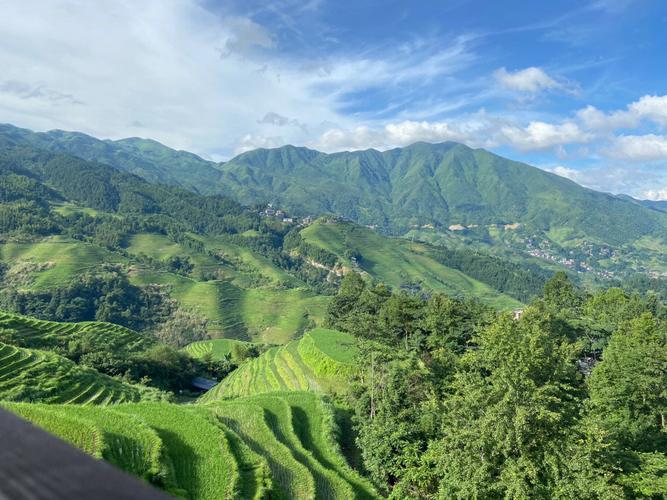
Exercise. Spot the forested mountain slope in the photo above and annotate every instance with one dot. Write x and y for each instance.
(441, 184)
(143, 157)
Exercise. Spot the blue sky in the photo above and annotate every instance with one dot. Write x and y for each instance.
(579, 88)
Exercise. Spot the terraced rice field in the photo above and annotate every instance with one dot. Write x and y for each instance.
(218, 349)
(322, 360)
(279, 446)
(34, 333)
(67, 258)
(40, 376)
(296, 434)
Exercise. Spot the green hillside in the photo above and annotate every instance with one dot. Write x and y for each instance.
(218, 348)
(322, 360)
(439, 184)
(40, 376)
(58, 258)
(29, 332)
(143, 157)
(281, 445)
(399, 262)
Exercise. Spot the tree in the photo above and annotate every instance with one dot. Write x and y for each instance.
(509, 425)
(343, 303)
(628, 388)
(181, 329)
(560, 294)
(399, 320)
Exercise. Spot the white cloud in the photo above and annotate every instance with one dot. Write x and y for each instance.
(478, 130)
(540, 135)
(249, 142)
(475, 131)
(604, 177)
(639, 148)
(649, 107)
(654, 194)
(176, 72)
(594, 119)
(568, 173)
(531, 80)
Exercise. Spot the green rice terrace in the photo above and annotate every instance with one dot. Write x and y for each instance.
(242, 294)
(280, 445)
(29, 332)
(396, 262)
(278, 439)
(322, 360)
(218, 349)
(34, 375)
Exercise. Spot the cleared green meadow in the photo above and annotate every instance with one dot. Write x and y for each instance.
(25, 331)
(397, 262)
(64, 258)
(217, 349)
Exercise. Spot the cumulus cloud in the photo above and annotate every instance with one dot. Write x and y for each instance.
(478, 130)
(540, 135)
(249, 142)
(639, 148)
(473, 132)
(649, 107)
(531, 80)
(568, 173)
(632, 180)
(654, 194)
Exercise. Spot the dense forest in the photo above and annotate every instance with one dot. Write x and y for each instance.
(457, 401)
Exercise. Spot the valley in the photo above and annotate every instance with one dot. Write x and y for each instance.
(231, 343)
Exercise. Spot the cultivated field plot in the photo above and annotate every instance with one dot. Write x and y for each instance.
(25, 331)
(65, 258)
(40, 376)
(281, 445)
(396, 262)
(322, 360)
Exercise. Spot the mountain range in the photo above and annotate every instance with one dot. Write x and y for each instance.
(439, 186)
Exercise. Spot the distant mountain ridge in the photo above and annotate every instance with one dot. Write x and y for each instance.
(399, 189)
(146, 158)
(441, 184)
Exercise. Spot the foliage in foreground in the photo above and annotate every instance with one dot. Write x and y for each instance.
(451, 403)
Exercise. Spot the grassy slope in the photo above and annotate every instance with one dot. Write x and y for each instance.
(281, 445)
(39, 376)
(197, 448)
(396, 262)
(320, 360)
(66, 258)
(235, 306)
(25, 331)
(216, 348)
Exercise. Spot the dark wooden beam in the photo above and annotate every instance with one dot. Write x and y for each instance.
(34, 465)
